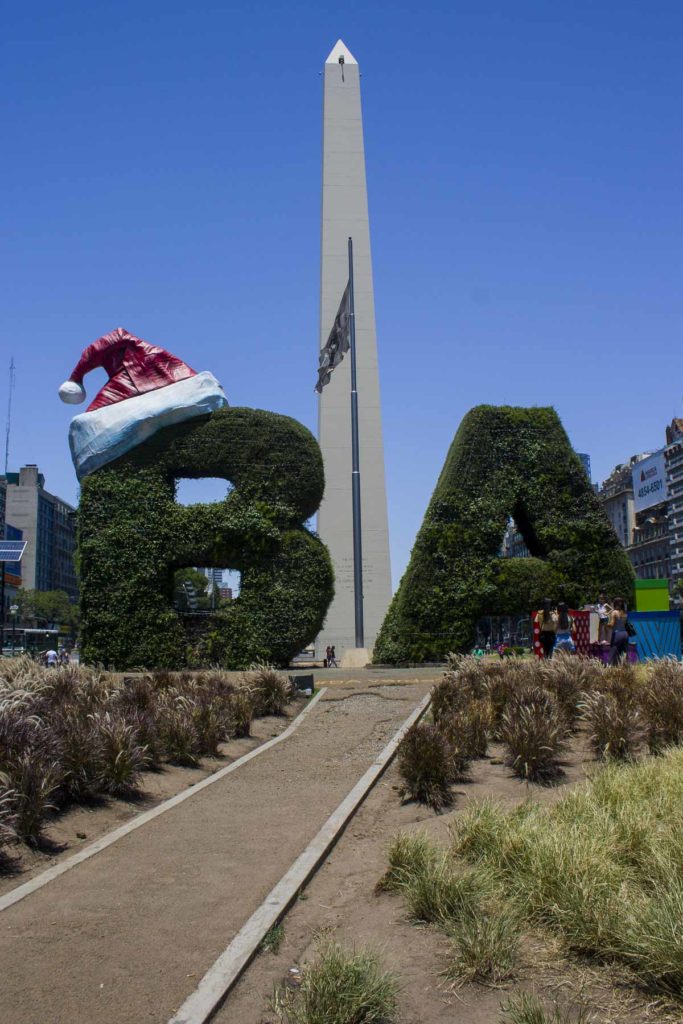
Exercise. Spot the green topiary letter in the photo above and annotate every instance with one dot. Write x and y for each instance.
(503, 461)
(133, 536)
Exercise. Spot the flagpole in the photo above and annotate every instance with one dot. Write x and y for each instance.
(355, 469)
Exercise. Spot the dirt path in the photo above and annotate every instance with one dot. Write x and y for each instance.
(341, 901)
(126, 936)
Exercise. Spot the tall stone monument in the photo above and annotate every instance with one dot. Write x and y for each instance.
(344, 215)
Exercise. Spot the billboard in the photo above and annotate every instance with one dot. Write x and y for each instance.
(649, 482)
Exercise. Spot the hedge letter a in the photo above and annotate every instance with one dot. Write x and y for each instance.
(504, 461)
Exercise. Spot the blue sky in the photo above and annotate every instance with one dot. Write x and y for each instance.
(161, 171)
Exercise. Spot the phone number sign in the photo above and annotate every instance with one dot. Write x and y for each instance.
(649, 482)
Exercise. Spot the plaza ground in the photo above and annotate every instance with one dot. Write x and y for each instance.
(127, 935)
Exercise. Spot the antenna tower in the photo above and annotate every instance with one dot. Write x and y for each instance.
(9, 412)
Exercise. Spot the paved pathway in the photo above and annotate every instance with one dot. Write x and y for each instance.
(126, 936)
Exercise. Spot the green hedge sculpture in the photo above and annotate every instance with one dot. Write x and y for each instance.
(503, 461)
(133, 536)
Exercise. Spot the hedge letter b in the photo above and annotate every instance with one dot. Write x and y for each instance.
(133, 536)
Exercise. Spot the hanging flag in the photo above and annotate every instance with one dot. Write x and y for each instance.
(337, 344)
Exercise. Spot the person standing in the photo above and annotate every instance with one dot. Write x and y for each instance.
(618, 620)
(332, 660)
(603, 610)
(566, 627)
(51, 658)
(547, 624)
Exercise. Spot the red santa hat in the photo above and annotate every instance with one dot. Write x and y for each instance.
(148, 389)
(134, 367)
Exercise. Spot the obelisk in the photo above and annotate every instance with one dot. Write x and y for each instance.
(344, 215)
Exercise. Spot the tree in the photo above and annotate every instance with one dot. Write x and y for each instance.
(196, 582)
(50, 608)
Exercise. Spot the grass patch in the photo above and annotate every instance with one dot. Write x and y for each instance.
(662, 704)
(526, 1008)
(341, 986)
(409, 854)
(603, 867)
(613, 725)
(484, 947)
(273, 939)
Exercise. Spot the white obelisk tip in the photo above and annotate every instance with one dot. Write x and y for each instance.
(340, 49)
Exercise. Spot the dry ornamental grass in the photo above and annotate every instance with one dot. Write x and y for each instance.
(534, 733)
(533, 707)
(662, 704)
(428, 762)
(71, 734)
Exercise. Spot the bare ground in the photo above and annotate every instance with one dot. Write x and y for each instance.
(342, 901)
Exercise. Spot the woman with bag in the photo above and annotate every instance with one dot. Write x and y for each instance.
(547, 625)
(621, 631)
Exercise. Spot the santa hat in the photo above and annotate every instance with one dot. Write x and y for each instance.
(134, 367)
(148, 389)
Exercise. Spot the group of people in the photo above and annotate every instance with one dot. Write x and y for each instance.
(330, 657)
(53, 658)
(615, 629)
(502, 649)
(558, 629)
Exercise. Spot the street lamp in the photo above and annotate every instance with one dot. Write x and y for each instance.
(13, 610)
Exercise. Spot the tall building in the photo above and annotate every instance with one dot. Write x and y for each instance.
(650, 551)
(48, 525)
(637, 499)
(586, 463)
(11, 571)
(616, 494)
(344, 215)
(674, 476)
(214, 576)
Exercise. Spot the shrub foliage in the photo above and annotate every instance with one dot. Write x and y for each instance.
(133, 536)
(504, 461)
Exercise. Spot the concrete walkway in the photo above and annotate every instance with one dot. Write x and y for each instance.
(126, 936)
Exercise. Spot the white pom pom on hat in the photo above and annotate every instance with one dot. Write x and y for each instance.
(72, 393)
